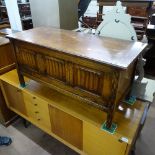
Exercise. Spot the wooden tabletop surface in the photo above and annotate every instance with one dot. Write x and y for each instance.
(6, 31)
(114, 52)
(3, 41)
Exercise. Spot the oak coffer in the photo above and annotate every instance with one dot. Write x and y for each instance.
(95, 69)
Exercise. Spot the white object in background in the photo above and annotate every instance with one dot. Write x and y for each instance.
(92, 9)
(144, 40)
(24, 1)
(56, 13)
(45, 13)
(13, 13)
(117, 24)
(107, 9)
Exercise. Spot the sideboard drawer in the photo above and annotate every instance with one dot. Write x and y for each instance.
(37, 109)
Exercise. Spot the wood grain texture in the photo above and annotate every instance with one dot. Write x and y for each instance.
(79, 65)
(67, 127)
(127, 120)
(6, 31)
(95, 144)
(6, 54)
(3, 41)
(129, 0)
(14, 98)
(6, 64)
(6, 115)
(94, 139)
(137, 11)
(118, 53)
(64, 73)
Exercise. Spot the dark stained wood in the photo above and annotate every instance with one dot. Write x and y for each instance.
(95, 69)
(6, 54)
(137, 1)
(128, 2)
(110, 51)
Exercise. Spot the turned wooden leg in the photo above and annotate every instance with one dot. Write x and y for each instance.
(100, 12)
(20, 76)
(100, 9)
(26, 123)
(110, 117)
(109, 120)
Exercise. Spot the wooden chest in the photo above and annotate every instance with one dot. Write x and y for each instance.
(95, 69)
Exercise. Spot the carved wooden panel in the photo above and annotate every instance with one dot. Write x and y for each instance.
(55, 68)
(40, 63)
(94, 85)
(93, 82)
(88, 79)
(82, 66)
(26, 57)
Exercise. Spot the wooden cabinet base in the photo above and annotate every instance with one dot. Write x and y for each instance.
(6, 64)
(75, 124)
(6, 115)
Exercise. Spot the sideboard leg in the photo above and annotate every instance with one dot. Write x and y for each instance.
(21, 79)
(20, 76)
(109, 126)
(109, 120)
(26, 123)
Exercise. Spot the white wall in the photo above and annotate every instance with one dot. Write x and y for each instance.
(45, 13)
(13, 13)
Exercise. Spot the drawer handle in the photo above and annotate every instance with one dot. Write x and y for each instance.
(34, 97)
(18, 90)
(38, 119)
(36, 112)
(35, 104)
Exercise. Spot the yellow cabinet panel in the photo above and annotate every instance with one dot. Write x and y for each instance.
(67, 127)
(98, 142)
(15, 98)
(37, 110)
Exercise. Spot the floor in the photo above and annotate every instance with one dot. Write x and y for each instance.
(33, 141)
(146, 142)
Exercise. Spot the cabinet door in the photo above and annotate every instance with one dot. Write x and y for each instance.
(99, 142)
(37, 109)
(6, 115)
(67, 127)
(15, 98)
